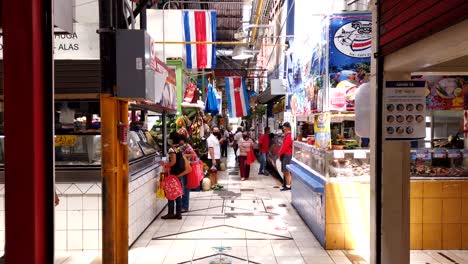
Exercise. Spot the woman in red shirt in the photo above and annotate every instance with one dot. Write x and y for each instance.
(264, 146)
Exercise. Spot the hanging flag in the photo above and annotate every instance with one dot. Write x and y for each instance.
(237, 97)
(200, 26)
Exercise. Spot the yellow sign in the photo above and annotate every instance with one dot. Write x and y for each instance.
(65, 141)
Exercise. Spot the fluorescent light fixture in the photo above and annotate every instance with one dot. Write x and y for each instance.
(241, 53)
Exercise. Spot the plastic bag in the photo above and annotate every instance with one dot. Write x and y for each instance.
(194, 178)
(160, 192)
(251, 157)
(172, 187)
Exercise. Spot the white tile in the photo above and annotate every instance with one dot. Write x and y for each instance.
(84, 187)
(91, 219)
(60, 220)
(75, 240)
(95, 189)
(91, 240)
(75, 220)
(91, 202)
(62, 187)
(290, 260)
(75, 203)
(60, 240)
(73, 190)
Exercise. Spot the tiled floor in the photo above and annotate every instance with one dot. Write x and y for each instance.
(247, 222)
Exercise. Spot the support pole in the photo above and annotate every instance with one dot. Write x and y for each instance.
(114, 181)
(29, 164)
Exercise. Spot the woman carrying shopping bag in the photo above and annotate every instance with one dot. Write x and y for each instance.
(245, 146)
(177, 167)
(187, 185)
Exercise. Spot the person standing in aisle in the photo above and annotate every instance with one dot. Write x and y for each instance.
(237, 138)
(191, 156)
(285, 154)
(263, 148)
(179, 167)
(224, 145)
(245, 145)
(214, 155)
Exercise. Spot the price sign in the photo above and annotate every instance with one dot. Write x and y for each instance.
(454, 153)
(360, 154)
(65, 141)
(338, 154)
(440, 153)
(423, 154)
(465, 153)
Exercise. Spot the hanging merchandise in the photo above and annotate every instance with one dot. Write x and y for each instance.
(236, 93)
(211, 101)
(191, 94)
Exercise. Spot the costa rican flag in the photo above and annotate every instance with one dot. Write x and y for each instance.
(358, 45)
(237, 97)
(200, 26)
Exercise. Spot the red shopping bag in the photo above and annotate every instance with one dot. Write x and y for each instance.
(194, 178)
(172, 187)
(251, 157)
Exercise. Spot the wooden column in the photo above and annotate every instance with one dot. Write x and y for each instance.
(114, 182)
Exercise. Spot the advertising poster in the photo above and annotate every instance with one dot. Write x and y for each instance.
(322, 131)
(445, 92)
(350, 38)
(165, 81)
(405, 110)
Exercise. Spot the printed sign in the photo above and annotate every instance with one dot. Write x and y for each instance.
(322, 131)
(83, 44)
(454, 153)
(445, 92)
(354, 39)
(405, 106)
(350, 38)
(65, 141)
(440, 153)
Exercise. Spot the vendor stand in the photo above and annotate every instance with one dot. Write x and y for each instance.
(330, 171)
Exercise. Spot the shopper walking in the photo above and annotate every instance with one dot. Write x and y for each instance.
(177, 166)
(214, 155)
(237, 137)
(191, 156)
(225, 143)
(246, 144)
(264, 147)
(285, 154)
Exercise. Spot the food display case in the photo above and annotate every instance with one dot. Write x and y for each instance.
(334, 165)
(439, 164)
(331, 191)
(78, 156)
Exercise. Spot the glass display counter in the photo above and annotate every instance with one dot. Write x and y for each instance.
(334, 165)
(331, 191)
(78, 156)
(439, 164)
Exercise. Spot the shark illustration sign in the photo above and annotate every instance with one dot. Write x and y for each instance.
(354, 39)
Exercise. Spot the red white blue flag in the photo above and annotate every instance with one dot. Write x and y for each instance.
(237, 97)
(200, 26)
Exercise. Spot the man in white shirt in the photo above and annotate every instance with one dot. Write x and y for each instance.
(237, 137)
(214, 155)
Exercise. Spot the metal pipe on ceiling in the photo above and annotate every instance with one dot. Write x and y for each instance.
(212, 43)
(257, 18)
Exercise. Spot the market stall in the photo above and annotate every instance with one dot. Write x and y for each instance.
(330, 168)
(439, 168)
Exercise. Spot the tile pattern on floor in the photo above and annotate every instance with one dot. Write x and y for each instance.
(246, 222)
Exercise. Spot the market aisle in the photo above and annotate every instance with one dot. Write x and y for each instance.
(246, 222)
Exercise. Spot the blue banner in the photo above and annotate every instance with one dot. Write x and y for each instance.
(350, 40)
